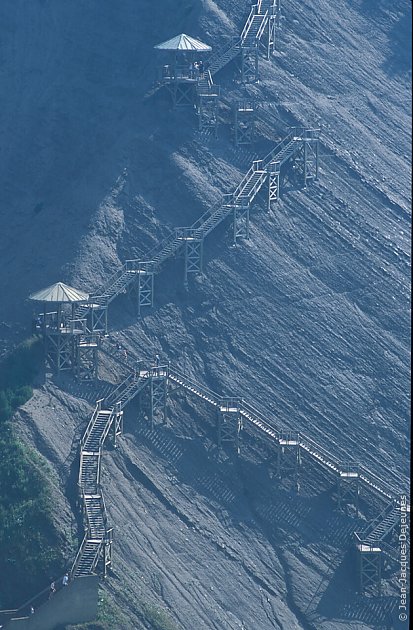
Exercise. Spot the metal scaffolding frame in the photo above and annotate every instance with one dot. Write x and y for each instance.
(273, 172)
(241, 222)
(154, 396)
(370, 568)
(288, 455)
(249, 64)
(142, 288)
(229, 422)
(268, 41)
(59, 350)
(244, 122)
(348, 486)
(98, 318)
(86, 357)
(182, 92)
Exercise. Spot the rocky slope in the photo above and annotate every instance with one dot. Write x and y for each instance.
(310, 317)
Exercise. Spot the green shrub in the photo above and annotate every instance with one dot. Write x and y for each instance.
(28, 540)
(17, 373)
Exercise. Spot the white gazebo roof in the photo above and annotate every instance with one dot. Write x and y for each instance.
(183, 42)
(59, 292)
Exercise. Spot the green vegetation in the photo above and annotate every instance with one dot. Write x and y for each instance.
(28, 540)
(109, 617)
(17, 374)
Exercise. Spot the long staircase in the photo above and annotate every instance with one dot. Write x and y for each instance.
(243, 196)
(259, 420)
(97, 539)
(251, 34)
(377, 532)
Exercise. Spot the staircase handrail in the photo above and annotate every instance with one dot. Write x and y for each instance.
(189, 382)
(272, 155)
(233, 48)
(79, 554)
(371, 526)
(257, 415)
(109, 283)
(209, 213)
(106, 428)
(324, 456)
(248, 22)
(114, 394)
(373, 481)
(262, 26)
(91, 422)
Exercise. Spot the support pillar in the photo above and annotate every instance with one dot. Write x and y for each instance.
(59, 350)
(269, 37)
(273, 172)
(229, 422)
(207, 113)
(158, 395)
(107, 552)
(86, 357)
(193, 256)
(310, 155)
(249, 65)
(370, 568)
(99, 318)
(289, 456)
(241, 219)
(244, 122)
(143, 286)
(183, 93)
(117, 424)
(348, 487)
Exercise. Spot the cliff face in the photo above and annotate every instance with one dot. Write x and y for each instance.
(310, 317)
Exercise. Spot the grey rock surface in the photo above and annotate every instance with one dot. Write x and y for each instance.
(310, 317)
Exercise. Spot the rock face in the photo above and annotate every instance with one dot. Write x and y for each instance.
(310, 317)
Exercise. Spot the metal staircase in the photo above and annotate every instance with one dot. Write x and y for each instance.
(97, 542)
(137, 275)
(382, 525)
(259, 30)
(259, 419)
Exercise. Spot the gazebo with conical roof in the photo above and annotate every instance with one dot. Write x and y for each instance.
(68, 343)
(185, 57)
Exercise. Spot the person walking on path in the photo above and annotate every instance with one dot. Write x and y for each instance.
(65, 580)
(52, 589)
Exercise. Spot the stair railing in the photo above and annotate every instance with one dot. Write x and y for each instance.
(91, 423)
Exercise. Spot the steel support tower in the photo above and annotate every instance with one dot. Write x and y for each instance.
(241, 222)
(370, 568)
(348, 486)
(154, 396)
(273, 173)
(142, 288)
(229, 422)
(244, 122)
(86, 356)
(288, 455)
